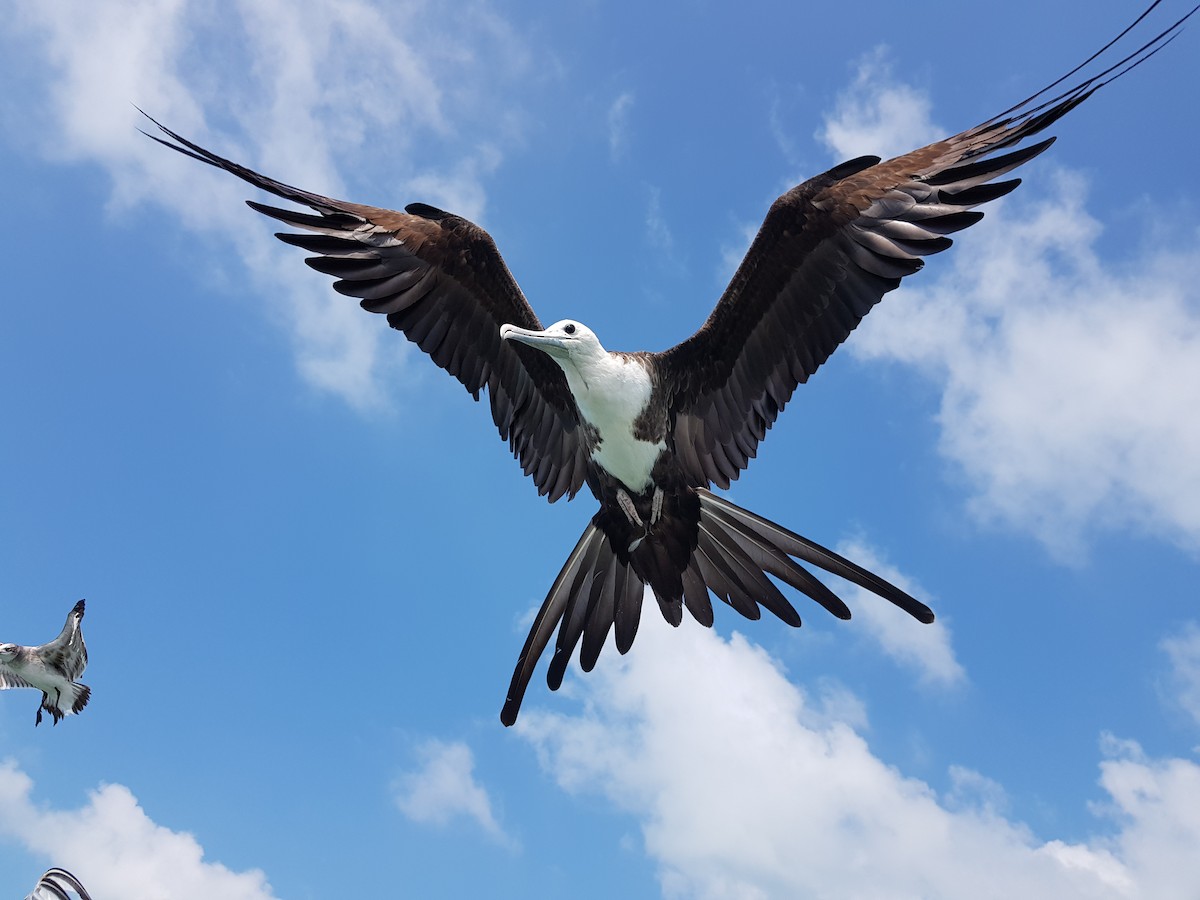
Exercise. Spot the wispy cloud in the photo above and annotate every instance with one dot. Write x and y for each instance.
(924, 648)
(775, 798)
(658, 233)
(116, 849)
(878, 115)
(1067, 379)
(443, 788)
(332, 89)
(1183, 655)
(733, 252)
(618, 125)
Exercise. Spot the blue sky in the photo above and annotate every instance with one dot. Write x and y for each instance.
(310, 564)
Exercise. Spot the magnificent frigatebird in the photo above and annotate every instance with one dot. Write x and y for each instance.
(650, 433)
(51, 668)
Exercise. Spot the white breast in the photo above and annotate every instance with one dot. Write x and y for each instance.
(611, 393)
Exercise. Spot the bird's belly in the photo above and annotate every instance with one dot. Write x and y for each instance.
(612, 399)
(629, 460)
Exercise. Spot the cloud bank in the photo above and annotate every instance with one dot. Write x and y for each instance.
(1067, 376)
(115, 849)
(748, 786)
(331, 87)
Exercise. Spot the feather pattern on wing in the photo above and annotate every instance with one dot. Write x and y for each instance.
(67, 653)
(10, 679)
(439, 279)
(828, 251)
(57, 884)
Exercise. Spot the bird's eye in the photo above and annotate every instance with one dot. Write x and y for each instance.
(569, 329)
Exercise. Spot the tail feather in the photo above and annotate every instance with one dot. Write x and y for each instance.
(775, 562)
(735, 557)
(544, 624)
(602, 611)
(575, 616)
(666, 554)
(628, 595)
(748, 577)
(794, 545)
(602, 594)
(720, 580)
(695, 595)
(81, 694)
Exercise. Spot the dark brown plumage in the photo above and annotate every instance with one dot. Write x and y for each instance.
(690, 417)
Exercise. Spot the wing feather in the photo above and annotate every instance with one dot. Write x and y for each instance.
(67, 653)
(827, 252)
(439, 279)
(10, 679)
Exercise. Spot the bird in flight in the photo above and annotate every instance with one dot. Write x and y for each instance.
(51, 668)
(58, 884)
(651, 433)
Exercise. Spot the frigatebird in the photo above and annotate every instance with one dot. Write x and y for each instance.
(51, 668)
(651, 433)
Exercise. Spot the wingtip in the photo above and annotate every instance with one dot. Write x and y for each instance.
(425, 211)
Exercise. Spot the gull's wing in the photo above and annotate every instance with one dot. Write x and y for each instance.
(827, 252)
(11, 679)
(67, 652)
(439, 279)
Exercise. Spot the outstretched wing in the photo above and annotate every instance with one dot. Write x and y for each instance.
(67, 653)
(439, 279)
(58, 884)
(827, 252)
(10, 679)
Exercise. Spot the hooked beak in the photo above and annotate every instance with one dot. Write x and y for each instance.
(550, 344)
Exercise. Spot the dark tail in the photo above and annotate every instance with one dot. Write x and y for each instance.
(735, 553)
(80, 695)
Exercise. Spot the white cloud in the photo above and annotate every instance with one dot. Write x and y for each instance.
(1067, 381)
(1183, 654)
(351, 84)
(878, 115)
(115, 849)
(618, 125)
(744, 787)
(1157, 804)
(443, 788)
(924, 648)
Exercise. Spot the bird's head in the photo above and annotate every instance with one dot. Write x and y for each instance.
(8, 652)
(566, 342)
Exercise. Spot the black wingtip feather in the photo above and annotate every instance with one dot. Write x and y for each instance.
(852, 167)
(992, 165)
(977, 195)
(425, 211)
(320, 243)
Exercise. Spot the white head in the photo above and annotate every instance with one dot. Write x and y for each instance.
(8, 652)
(566, 342)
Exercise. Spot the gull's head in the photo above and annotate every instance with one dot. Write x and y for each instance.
(565, 341)
(8, 652)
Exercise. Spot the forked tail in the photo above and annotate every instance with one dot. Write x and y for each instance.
(735, 554)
